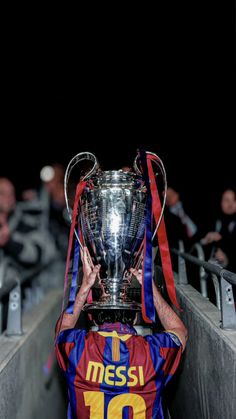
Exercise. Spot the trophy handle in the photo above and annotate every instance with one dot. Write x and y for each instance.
(73, 162)
(160, 164)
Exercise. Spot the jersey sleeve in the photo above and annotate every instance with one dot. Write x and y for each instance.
(166, 349)
(65, 343)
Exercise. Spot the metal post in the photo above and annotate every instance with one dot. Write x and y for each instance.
(183, 280)
(203, 274)
(228, 315)
(1, 326)
(203, 282)
(217, 290)
(14, 320)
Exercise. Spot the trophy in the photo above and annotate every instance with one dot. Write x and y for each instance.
(111, 220)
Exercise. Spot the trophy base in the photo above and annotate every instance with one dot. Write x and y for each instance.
(106, 305)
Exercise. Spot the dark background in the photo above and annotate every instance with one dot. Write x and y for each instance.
(163, 80)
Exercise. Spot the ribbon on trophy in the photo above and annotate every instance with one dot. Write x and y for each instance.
(73, 287)
(162, 237)
(148, 309)
(154, 210)
(80, 187)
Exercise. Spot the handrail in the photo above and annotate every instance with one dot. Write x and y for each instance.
(12, 287)
(225, 298)
(23, 275)
(210, 267)
(201, 256)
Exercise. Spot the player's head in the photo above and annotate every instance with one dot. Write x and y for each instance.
(114, 316)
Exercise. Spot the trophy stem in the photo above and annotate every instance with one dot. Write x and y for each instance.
(114, 289)
(114, 296)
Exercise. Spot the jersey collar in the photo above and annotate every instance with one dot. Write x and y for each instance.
(120, 328)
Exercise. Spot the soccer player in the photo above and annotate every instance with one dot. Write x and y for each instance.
(113, 373)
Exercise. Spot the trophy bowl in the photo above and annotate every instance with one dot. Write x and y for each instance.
(112, 219)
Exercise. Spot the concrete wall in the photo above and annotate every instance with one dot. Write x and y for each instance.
(205, 387)
(26, 392)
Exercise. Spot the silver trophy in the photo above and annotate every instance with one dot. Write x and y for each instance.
(111, 217)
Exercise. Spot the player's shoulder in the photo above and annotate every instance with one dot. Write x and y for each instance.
(166, 338)
(70, 335)
(174, 337)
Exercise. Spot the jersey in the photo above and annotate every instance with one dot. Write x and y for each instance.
(116, 376)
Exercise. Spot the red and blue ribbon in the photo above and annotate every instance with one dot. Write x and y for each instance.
(161, 235)
(148, 309)
(80, 187)
(73, 287)
(153, 208)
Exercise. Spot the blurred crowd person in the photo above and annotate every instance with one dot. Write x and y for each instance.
(50, 198)
(175, 207)
(221, 242)
(19, 230)
(53, 183)
(178, 224)
(34, 235)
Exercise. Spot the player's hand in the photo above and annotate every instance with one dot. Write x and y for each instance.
(212, 236)
(89, 270)
(137, 273)
(221, 257)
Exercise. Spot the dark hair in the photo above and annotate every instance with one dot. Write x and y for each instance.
(113, 316)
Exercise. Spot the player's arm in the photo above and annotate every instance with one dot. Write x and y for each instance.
(168, 318)
(68, 321)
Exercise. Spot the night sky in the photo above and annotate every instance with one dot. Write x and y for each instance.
(169, 88)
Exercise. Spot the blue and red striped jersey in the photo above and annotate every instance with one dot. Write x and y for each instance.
(116, 376)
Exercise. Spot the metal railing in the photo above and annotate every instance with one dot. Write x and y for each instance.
(12, 278)
(222, 279)
(202, 273)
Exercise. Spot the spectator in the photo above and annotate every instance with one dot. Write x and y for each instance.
(222, 240)
(58, 221)
(51, 202)
(18, 239)
(176, 207)
(24, 240)
(26, 247)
